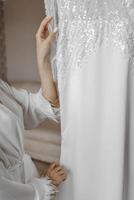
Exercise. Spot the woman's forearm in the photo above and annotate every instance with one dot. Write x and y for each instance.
(49, 90)
(44, 41)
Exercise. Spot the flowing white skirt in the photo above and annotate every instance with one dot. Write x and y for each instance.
(97, 113)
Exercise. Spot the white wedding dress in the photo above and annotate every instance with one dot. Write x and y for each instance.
(94, 66)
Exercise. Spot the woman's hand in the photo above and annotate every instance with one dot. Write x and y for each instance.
(44, 41)
(56, 173)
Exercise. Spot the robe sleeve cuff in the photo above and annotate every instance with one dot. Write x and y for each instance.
(44, 188)
(45, 107)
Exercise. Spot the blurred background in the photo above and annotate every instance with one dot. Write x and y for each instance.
(19, 22)
(22, 19)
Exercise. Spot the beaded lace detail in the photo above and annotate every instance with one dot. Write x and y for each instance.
(85, 24)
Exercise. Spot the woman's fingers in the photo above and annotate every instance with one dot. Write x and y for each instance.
(44, 27)
(63, 177)
(52, 36)
(60, 179)
(59, 168)
(61, 172)
(57, 174)
(52, 166)
(50, 169)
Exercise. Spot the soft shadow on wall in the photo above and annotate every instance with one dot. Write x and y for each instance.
(3, 70)
(22, 19)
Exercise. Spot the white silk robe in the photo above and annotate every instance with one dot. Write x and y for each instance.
(19, 179)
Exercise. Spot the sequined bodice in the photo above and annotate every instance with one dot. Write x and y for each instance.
(94, 8)
(85, 24)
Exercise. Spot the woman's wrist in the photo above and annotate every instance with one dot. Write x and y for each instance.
(54, 102)
(49, 90)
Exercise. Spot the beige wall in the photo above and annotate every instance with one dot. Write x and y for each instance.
(22, 18)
